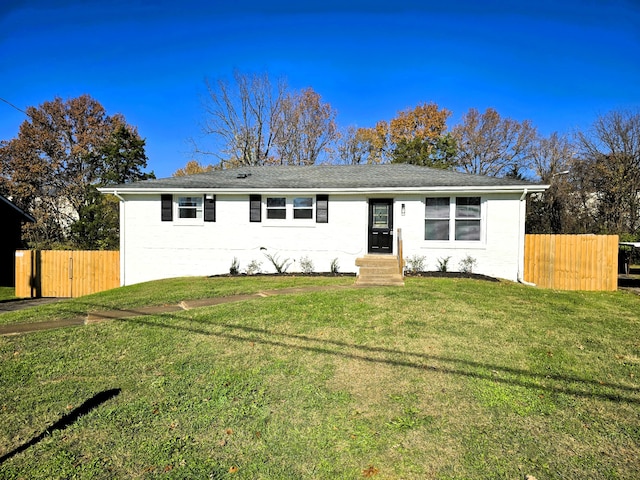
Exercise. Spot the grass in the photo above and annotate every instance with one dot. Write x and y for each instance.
(445, 379)
(7, 293)
(165, 292)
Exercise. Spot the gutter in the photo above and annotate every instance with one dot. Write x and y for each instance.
(521, 243)
(327, 190)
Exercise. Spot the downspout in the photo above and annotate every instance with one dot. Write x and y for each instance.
(122, 248)
(521, 243)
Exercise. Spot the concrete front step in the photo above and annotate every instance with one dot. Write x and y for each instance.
(377, 270)
(377, 260)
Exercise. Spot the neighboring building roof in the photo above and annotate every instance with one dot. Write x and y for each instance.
(18, 212)
(385, 177)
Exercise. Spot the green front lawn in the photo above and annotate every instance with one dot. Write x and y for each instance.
(445, 379)
(166, 292)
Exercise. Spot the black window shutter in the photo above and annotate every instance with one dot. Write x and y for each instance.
(322, 208)
(167, 208)
(255, 208)
(210, 208)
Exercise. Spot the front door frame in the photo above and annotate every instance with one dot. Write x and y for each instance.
(380, 237)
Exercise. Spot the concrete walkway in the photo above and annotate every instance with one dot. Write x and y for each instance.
(21, 304)
(101, 316)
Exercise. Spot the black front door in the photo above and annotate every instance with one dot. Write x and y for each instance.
(381, 226)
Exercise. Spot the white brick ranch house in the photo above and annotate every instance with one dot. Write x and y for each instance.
(197, 225)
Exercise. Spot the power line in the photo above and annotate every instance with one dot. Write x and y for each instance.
(13, 106)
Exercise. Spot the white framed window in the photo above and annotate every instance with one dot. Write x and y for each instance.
(277, 208)
(437, 214)
(453, 218)
(190, 207)
(303, 207)
(468, 216)
(293, 210)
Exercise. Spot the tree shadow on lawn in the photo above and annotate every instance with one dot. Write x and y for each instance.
(484, 371)
(66, 420)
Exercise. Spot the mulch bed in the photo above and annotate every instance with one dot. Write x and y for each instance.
(475, 276)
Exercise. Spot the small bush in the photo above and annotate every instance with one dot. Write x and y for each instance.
(253, 267)
(467, 264)
(234, 269)
(416, 263)
(306, 265)
(443, 264)
(335, 267)
(281, 266)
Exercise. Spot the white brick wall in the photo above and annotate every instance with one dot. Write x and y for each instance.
(152, 249)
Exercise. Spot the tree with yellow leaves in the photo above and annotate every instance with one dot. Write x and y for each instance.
(416, 135)
(192, 167)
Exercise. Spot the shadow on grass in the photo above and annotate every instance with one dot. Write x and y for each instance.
(583, 387)
(65, 421)
(628, 281)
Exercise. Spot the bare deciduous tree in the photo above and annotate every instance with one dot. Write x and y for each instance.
(557, 209)
(491, 145)
(256, 122)
(244, 117)
(308, 129)
(610, 169)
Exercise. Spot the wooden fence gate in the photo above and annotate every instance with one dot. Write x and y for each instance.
(61, 273)
(572, 262)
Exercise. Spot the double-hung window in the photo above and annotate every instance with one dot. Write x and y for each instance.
(188, 210)
(303, 207)
(457, 218)
(190, 207)
(295, 210)
(468, 218)
(436, 224)
(276, 208)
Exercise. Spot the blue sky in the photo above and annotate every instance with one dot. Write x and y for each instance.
(558, 63)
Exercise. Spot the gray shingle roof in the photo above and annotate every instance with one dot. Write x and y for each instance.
(325, 177)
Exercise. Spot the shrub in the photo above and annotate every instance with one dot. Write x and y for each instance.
(415, 263)
(281, 266)
(306, 265)
(234, 269)
(443, 264)
(334, 265)
(253, 267)
(467, 264)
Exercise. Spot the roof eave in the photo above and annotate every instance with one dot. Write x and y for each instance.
(27, 217)
(342, 191)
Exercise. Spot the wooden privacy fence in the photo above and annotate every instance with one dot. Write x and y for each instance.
(60, 273)
(572, 262)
